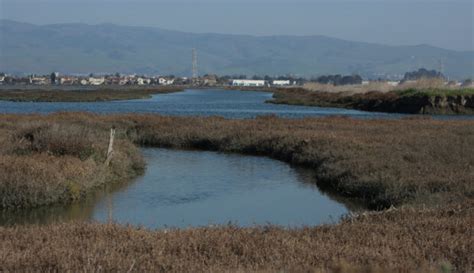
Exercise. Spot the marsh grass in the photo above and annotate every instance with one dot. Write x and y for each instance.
(407, 100)
(383, 162)
(100, 94)
(384, 87)
(424, 167)
(399, 240)
(46, 162)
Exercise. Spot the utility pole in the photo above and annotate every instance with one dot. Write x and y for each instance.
(441, 68)
(195, 66)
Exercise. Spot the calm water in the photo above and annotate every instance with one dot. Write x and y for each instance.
(194, 188)
(218, 102)
(230, 104)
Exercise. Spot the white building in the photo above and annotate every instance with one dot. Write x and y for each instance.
(123, 81)
(248, 83)
(281, 82)
(164, 81)
(39, 80)
(96, 81)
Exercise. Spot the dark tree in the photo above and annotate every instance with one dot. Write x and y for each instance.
(422, 73)
(53, 78)
(339, 80)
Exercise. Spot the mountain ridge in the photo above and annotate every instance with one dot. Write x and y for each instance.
(109, 48)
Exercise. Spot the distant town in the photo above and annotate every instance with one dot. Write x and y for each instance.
(210, 80)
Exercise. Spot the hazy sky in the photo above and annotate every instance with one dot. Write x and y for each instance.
(443, 23)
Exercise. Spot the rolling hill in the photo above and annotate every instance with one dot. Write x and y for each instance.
(109, 48)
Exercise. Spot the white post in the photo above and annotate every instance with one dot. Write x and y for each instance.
(110, 151)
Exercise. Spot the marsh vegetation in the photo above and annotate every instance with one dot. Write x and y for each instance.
(51, 94)
(407, 101)
(421, 166)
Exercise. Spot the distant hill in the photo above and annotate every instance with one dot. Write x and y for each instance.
(108, 48)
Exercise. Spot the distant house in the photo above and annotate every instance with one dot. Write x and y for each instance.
(281, 82)
(39, 80)
(96, 81)
(165, 81)
(2, 79)
(123, 81)
(393, 83)
(248, 83)
(113, 80)
(68, 80)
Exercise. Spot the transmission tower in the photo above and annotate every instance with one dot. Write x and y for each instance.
(441, 69)
(195, 65)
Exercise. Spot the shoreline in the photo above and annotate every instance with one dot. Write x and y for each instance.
(99, 94)
(407, 101)
(404, 101)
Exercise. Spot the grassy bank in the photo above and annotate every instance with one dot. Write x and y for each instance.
(77, 95)
(382, 162)
(424, 167)
(406, 240)
(409, 101)
(45, 161)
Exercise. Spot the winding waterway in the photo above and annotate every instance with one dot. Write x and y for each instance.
(226, 103)
(195, 188)
(201, 102)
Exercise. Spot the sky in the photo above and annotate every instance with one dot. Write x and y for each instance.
(442, 23)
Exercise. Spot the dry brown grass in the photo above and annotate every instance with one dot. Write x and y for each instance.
(383, 162)
(419, 162)
(397, 100)
(45, 162)
(100, 94)
(350, 89)
(383, 87)
(406, 240)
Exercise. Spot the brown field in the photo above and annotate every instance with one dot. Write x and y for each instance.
(424, 167)
(405, 240)
(87, 95)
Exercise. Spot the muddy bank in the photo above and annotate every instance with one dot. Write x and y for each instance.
(83, 94)
(440, 102)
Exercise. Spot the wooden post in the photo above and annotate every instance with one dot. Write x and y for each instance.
(110, 151)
